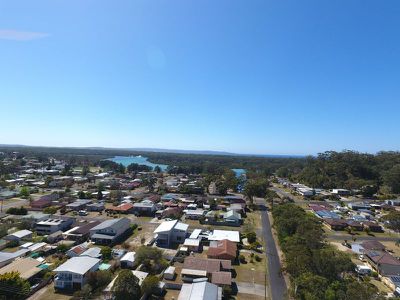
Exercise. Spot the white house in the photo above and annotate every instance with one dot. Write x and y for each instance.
(219, 235)
(19, 235)
(145, 207)
(52, 225)
(171, 232)
(128, 260)
(72, 273)
(200, 291)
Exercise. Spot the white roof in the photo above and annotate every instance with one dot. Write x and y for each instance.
(92, 252)
(191, 242)
(169, 225)
(219, 235)
(26, 245)
(21, 233)
(129, 256)
(36, 246)
(182, 226)
(195, 234)
(78, 265)
(166, 226)
(170, 270)
(199, 291)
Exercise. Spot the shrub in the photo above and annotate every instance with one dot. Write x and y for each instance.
(17, 211)
(251, 237)
(50, 210)
(242, 259)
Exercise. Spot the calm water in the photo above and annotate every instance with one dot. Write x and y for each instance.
(141, 160)
(239, 172)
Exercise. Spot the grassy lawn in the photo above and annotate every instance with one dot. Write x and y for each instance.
(246, 272)
(381, 287)
(241, 296)
(48, 293)
(252, 222)
(144, 219)
(391, 246)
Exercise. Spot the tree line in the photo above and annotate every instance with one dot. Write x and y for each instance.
(317, 270)
(347, 169)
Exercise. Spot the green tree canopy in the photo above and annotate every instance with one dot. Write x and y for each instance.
(12, 286)
(126, 286)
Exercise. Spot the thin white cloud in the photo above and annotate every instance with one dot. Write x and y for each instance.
(17, 35)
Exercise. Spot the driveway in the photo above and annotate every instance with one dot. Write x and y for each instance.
(251, 289)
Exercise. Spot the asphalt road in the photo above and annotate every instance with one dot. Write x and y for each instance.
(277, 283)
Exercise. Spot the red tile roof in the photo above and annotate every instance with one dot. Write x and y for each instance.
(224, 247)
(221, 278)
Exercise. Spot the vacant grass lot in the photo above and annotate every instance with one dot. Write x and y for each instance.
(246, 272)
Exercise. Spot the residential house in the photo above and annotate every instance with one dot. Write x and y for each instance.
(21, 235)
(169, 273)
(72, 274)
(194, 214)
(8, 257)
(125, 208)
(336, 224)
(144, 208)
(373, 226)
(357, 226)
(55, 237)
(99, 206)
(53, 224)
(224, 249)
(373, 245)
(384, 263)
(232, 217)
(109, 231)
(92, 252)
(192, 245)
(340, 192)
(195, 267)
(80, 233)
(219, 235)
(238, 207)
(77, 250)
(200, 291)
(128, 260)
(221, 278)
(359, 206)
(44, 201)
(169, 233)
(26, 267)
(78, 204)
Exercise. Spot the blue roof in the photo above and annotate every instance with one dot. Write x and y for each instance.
(327, 214)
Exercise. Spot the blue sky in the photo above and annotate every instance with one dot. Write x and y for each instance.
(263, 77)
